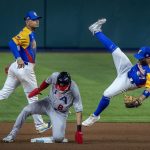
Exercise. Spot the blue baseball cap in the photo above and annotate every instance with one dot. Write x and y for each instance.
(144, 52)
(31, 15)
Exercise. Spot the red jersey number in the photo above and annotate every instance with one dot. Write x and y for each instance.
(60, 107)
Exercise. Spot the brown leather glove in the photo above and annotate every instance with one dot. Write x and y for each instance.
(132, 102)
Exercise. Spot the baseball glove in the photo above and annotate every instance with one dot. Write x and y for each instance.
(132, 102)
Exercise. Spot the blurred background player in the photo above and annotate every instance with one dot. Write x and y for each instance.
(63, 94)
(129, 77)
(23, 47)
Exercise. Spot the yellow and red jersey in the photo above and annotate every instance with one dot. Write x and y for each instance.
(24, 45)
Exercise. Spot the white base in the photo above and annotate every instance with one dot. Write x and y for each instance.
(46, 140)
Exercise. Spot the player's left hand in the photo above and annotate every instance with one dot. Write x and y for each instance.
(20, 63)
(79, 137)
(132, 102)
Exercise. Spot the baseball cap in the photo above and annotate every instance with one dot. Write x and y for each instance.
(144, 52)
(31, 15)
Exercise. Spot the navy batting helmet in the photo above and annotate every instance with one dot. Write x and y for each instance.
(63, 81)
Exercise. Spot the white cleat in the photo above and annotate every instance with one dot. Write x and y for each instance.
(9, 139)
(44, 127)
(91, 120)
(96, 27)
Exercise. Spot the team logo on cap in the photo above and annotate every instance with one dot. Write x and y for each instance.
(35, 13)
(139, 51)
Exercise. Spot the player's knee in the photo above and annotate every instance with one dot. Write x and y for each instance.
(108, 94)
(27, 110)
(58, 139)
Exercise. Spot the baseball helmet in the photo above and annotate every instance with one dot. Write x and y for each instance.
(63, 81)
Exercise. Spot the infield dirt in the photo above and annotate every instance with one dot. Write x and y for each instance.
(100, 136)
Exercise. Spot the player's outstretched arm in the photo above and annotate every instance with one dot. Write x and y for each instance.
(37, 91)
(79, 134)
(132, 102)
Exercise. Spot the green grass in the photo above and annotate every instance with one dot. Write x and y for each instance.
(93, 73)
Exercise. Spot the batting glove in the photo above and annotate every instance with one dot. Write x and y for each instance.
(79, 137)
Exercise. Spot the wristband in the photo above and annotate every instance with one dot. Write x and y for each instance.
(146, 93)
(79, 128)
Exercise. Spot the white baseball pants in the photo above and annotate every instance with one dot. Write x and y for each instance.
(26, 77)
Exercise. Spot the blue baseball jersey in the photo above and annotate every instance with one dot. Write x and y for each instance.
(24, 45)
(140, 75)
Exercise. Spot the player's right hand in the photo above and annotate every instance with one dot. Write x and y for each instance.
(35, 92)
(20, 62)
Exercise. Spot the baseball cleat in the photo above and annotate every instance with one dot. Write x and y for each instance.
(96, 27)
(46, 140)
(8, 139)
(91, 120)
(44, 127)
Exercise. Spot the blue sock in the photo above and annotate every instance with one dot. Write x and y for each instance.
(104, 102)
(110, 46)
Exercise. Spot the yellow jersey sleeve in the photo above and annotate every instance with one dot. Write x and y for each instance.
(147, 85)
(22, 39)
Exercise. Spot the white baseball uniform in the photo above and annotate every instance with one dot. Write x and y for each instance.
(23, 45)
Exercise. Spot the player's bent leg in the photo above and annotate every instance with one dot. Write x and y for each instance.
(121, 61)
(18, 124)
(110, 46)
(120, 84)
(34, 108)
(29, 84)
(40, 125)
(97, 31)
(10, 85)
(58, 120)
(58, 132)
(103, 104)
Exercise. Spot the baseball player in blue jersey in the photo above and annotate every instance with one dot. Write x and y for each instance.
(129, 76)
(23, 47)
(63, 94)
